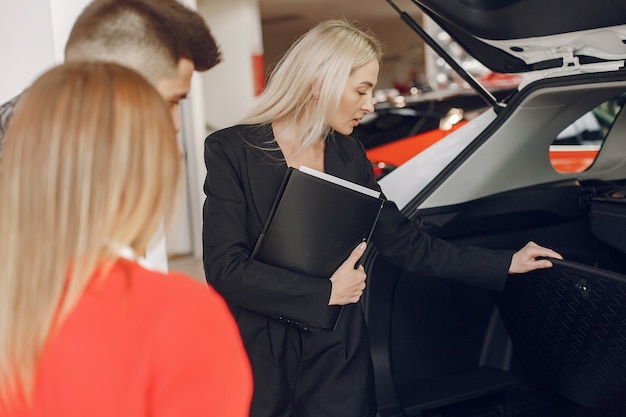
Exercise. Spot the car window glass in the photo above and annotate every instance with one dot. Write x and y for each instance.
(576, 147)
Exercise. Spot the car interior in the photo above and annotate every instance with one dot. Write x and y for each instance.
(553, 342)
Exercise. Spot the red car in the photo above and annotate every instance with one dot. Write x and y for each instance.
(392, 136)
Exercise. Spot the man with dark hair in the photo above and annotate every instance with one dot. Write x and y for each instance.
(161, 39)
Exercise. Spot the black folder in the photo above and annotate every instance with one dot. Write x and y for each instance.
(315, 223)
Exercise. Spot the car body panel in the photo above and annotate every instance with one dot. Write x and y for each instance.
(410, 179)
(526, 35)
(502, 151)
(522, 163)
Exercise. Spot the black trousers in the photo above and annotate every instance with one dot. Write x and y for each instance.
(303, 373)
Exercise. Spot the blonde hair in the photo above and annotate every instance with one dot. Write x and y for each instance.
(90, 164)
(306, 86)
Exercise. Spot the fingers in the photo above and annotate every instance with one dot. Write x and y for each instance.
(526, 259)
(348, 281)
(539, 264)
(347, 289)
(550, 253)
(357, 253)
(536, 251)
(356, 295)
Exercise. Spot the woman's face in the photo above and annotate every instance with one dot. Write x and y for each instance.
(357, 98)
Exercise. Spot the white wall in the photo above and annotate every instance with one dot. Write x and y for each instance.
(227, 91)
(180, 234)
(26, 44)
(64, 13)
(229, 87)
(32, 39)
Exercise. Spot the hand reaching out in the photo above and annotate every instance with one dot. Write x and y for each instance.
(347, 282)
(525, 259)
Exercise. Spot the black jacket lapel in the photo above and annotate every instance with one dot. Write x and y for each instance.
(266, 169)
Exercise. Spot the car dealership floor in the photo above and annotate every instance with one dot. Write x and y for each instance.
(188, 265)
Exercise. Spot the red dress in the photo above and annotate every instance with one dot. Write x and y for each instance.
(141, 343)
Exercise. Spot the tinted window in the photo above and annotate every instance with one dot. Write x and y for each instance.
(577, 146)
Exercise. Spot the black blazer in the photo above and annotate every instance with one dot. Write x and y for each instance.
(241, 184)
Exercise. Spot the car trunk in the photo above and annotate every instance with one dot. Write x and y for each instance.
(551, 344)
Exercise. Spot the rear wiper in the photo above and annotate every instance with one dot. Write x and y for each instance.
(486, 95)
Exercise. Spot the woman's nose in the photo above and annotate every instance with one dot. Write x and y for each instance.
(368, 104)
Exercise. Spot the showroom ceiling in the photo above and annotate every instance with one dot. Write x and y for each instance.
(307, 11)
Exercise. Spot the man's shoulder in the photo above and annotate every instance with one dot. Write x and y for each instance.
(6, 110)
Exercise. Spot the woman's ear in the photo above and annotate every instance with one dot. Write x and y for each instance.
(315, 89)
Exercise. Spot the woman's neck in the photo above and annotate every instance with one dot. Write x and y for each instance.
(289, 139)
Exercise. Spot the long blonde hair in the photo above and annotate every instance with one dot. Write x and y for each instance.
(90, 164)
(306, 86)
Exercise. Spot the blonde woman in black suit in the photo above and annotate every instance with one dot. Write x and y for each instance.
(316, 95)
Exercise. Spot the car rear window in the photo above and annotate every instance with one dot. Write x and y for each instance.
(576, 147)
